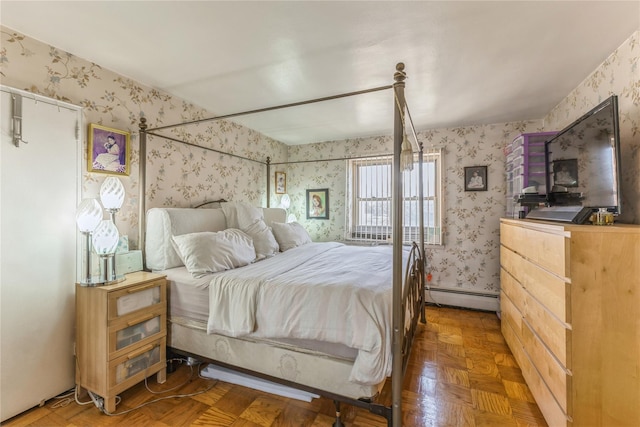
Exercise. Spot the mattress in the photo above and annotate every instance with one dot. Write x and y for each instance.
(189, 306)
(314, 369)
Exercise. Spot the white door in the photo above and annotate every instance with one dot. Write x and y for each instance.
(39, 192)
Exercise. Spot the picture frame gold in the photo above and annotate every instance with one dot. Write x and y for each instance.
(109, 150)
(281, 183)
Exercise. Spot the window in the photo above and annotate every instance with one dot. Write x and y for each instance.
(369, 191)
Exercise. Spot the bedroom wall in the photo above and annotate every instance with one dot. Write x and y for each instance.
(618, 75)
(180, 175)
(469, 258)
(177, 175)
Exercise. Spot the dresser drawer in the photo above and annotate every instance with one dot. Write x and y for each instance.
(553, 333)
(547, 249)
(510, 315)
(135, 329)
(136, 365)
(514, 290)
(135, 298)
(550, 290)
(554, 375)
(553, 413)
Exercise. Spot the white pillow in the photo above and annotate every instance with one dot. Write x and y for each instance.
(251, 221)
(209, 252)
(289, 235)
(229, 209)
(247, 214)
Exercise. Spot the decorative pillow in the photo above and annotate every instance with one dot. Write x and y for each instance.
(230, 211)
(289, 235)
(209, 252)
(251, 221)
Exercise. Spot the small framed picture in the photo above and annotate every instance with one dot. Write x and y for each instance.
(565, 172)
(109, 150)
(281, 182)
(475, 178)
(318, 204)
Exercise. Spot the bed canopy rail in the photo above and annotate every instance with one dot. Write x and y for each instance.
(145, 130)
(407, 296)
(276, 107)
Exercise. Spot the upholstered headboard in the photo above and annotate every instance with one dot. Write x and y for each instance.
(162, 223)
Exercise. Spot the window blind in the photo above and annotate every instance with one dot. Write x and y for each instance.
(369, 198)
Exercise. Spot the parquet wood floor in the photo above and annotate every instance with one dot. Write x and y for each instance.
(461, 373)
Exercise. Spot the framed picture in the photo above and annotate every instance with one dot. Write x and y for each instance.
(281, 182)
(565, 172)
(318, 204)
(109, 150)
(475, 178)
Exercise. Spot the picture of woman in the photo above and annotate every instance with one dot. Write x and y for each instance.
(281, 183)
(475, 178)
(318, 204)
(110, 159)
(108, 150)
(475, 181)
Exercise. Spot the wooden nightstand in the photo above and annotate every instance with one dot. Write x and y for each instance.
(121, 334)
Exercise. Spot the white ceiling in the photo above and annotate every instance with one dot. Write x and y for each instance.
(467, 63)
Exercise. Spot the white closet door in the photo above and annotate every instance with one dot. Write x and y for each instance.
(39, 188)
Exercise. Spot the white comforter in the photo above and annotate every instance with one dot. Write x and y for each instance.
(320, 291)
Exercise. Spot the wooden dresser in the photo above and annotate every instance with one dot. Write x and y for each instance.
(121, 334)
(570, 302)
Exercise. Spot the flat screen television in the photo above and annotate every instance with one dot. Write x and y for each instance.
(583, 167)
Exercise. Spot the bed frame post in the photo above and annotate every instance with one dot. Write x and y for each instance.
(423, 253)
(398, 324)
(268, 182)
(142, 185)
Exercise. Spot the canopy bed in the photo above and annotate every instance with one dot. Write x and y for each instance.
(358, 322)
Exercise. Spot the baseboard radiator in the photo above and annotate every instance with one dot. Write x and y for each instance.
(464, 298)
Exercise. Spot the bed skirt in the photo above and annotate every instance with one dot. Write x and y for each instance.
(319, 371)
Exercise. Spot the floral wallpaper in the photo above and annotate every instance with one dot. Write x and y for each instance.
(184, 175)
(469, 257)
(177, 174)
(618, 75)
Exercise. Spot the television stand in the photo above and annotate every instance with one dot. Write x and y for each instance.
(573, 214)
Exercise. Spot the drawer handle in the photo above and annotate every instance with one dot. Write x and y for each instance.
(142, 288)
(141, 319)
(143, 350)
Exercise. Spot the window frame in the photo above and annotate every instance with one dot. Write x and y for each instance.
(356, 232)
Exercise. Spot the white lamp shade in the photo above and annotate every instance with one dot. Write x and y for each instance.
(88, 215)
(292, 218)
(112, 193)
(105, 238)
(285, 201)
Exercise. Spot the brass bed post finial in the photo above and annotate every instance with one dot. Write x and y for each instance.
(142, 175)
(399, 75)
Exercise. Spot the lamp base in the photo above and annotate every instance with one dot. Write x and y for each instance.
(98, 281)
